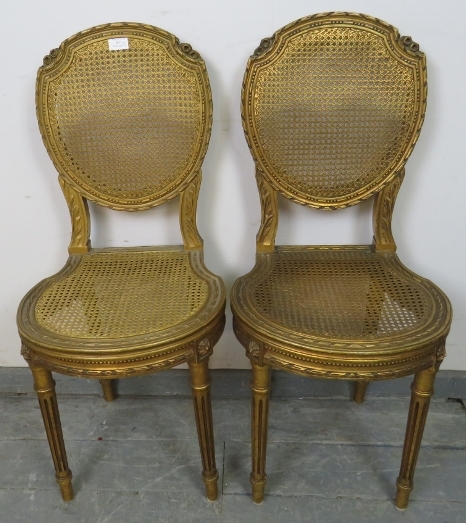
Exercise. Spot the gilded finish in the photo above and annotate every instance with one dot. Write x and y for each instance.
(108, 388)
(188, 206)
(111, 295)
(350, 312)
(265, 240)
(44, 386)
(200, 385)
(127, 129)
(422, 390)
(88, 134)
(333, 166)
(265, 44)
(80, 219)
(260, 386)
(360, 391)
(384, 203)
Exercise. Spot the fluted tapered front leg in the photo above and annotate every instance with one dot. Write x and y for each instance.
(422, 390)
(200, 384)
(260, 385)
(44, 386)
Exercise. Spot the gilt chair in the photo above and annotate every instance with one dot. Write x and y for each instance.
(125, 112)
(332, 107)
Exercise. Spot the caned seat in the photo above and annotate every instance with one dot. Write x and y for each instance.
(125, 113)
(332, 107)
(336, 298)
(131, 295)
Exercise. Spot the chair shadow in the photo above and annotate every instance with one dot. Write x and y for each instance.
(179, 452)
(285, 470)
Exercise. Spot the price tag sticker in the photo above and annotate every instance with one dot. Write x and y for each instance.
(116, 44)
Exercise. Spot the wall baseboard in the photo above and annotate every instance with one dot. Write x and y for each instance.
(230, 384)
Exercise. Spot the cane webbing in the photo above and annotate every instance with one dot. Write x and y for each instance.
(334, 112)
(342, 294)
(127, 123)
(120, 294)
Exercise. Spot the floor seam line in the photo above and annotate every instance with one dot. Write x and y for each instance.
(315, 496)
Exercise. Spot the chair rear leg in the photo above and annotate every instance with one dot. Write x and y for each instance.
(359, 391)
(260, 385)
(108, 388)
(422, 390)
(44, 386)
(200, 385)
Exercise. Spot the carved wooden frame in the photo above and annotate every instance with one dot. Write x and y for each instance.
(270, 345)
(334, 357)
(190, 342)
(404, 50)
(75, 191)
(77, 355)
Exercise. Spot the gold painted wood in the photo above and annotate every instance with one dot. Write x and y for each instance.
(260, 386)
(90, 141)
(44, 386)
(80, 219)
(384, 204)
(127, 129)
(188, 207)
(265, 240)
(108, 388)
(200, 385)
(351, 312)
(359, 391)
(422, 390)
(323, 168)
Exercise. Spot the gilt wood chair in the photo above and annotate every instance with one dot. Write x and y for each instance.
(332, 107)
(125, 112)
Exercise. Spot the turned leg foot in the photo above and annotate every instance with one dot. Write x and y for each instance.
(260, 386)
(422, 390)
(44, 386)
(200, 385)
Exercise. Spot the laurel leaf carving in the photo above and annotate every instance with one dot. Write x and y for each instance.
(269, 208)
(188, 208)
(80, 220)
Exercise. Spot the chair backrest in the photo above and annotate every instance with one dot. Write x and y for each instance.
(332, 107)
(125, 112)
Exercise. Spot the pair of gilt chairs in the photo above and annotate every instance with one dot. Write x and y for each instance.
(332, 107)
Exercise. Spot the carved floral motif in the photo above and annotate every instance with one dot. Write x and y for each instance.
(254, 349)
(188, 50)
(266, 43)
(439, 355)
(25, 353)
(204, 347)
(409, 44)
(48, 59)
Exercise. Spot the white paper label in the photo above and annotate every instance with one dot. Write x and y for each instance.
(115, 44)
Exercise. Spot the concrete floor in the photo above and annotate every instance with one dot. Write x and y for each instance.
(136, 459)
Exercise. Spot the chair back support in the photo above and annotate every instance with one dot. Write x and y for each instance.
(332, 107)
(126, 128)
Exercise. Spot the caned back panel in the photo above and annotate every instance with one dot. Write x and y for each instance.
(332, 110)
(128, 127)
